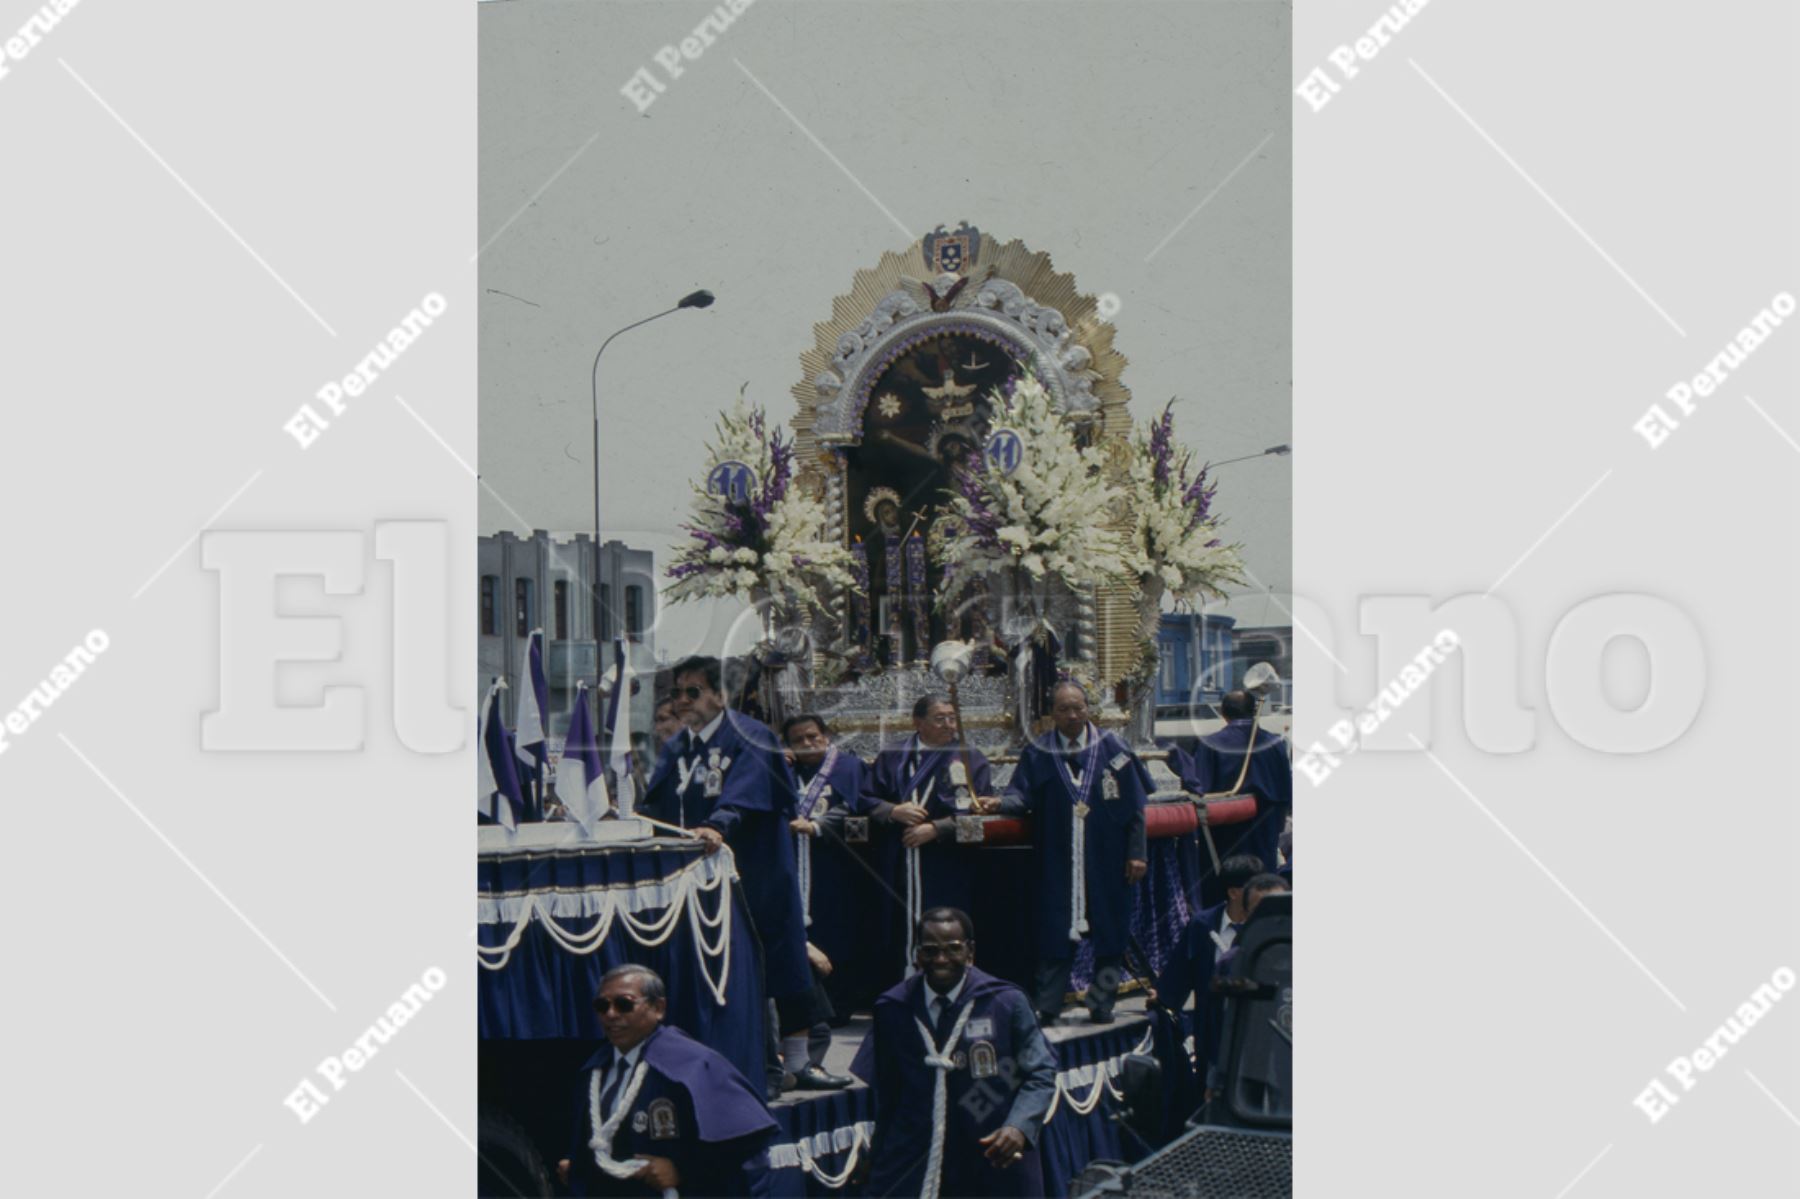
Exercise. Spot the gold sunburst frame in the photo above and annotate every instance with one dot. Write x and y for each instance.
(1043, 290)
(1007, 294)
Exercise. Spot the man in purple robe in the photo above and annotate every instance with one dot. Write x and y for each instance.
(1224, 758)
(962, 1076)
(1085, 792)
(921, 785)
(658, 1110)
(1189, 970)
(833, 885)
(726, 780)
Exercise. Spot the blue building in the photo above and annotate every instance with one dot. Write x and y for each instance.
(1194, 650)
(1205, 654)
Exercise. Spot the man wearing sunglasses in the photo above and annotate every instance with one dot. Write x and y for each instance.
(961, 1072)
(656, 1109)
(725, 779)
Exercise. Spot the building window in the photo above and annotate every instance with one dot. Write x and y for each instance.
(634, 611)
(522, 607)
(606, 612)
(490, 606)
(560, 592)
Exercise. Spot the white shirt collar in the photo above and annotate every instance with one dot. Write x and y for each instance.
(623, 1062)
(949, 997)
(1074, 746)
(706, 734)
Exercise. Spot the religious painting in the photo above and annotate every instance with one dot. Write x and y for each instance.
(926, 418)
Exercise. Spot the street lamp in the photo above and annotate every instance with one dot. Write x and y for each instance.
(695, 299)
(1279, 451)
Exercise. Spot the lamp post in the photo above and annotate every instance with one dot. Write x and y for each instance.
(1278, 451)
(697, 299)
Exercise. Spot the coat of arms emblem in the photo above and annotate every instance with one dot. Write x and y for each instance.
(951, 253)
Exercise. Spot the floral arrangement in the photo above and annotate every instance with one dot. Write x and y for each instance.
(1052, 515)
(768, 543)
(1175, 542)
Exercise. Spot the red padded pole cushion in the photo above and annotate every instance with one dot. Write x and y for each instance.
(1170, 819)
(1235, 810)
(1005, 830)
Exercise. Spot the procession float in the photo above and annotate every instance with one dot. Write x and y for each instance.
(963, 501)
(960, 504)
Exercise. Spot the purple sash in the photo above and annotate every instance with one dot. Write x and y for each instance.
(1091, 759)
(928, 763)
(820, 781)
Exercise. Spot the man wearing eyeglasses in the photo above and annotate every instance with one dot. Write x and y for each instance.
(921, 785)
(657, 1110)
(725, 779)
(961, 1072)
(1085, 792)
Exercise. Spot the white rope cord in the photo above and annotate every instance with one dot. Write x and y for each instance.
(1078, 921)
(858, 1142)
(1104, 1072)
(1082, 1107)
(914, 896)
(605, 1130)
(721, 946)
(677, 895)
(824, 1143)
(941, 1060)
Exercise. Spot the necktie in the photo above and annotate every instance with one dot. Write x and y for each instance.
(940, 1018)
(611, 1095)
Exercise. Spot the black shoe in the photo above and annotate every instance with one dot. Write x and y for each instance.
(1099, 1017)
(814, 1078)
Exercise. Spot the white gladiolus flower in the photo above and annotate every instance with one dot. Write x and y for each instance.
(769, 564)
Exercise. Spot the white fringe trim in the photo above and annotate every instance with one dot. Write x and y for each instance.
(1096, 1078)
(676, 895)
(806, 1152)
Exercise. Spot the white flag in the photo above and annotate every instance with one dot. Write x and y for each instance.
(580, 782)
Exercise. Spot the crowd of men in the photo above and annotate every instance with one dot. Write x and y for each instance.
(961, 1072)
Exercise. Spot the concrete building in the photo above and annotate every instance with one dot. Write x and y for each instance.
(543, 582)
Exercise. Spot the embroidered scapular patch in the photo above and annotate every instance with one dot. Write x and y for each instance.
(662, 1120)
(983, 1062)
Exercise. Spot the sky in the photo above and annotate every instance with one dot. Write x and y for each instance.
(803, 143)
